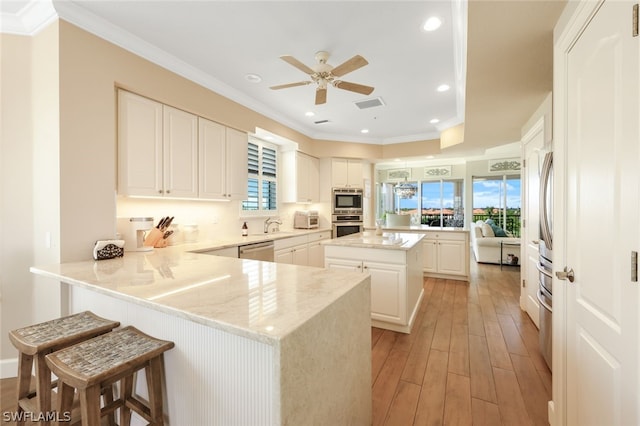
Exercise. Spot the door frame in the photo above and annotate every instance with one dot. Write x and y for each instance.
(568, 30)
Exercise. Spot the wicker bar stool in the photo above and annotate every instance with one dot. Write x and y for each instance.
(38, 340)
(98, 363)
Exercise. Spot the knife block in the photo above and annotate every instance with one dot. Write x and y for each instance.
(153, 237)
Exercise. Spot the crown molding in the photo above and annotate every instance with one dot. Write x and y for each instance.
(30, 19)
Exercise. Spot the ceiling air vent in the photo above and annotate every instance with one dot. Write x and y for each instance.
(370, 103)
(321, 121)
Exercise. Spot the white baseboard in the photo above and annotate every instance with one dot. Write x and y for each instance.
(8, 368)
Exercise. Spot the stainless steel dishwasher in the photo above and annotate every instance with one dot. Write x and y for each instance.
(257, 251)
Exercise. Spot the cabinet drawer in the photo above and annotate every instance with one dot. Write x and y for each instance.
(451, 236)
(317, 236)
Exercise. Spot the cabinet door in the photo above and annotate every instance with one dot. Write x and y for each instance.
(300, 255)
(301, 177)
(313, 174)
(354, 173)
(180, 153)
(316, 255)
(339, 172)
(236, 164)
(429, 255)
(388, 292)
(283, 256)
(211, 138)
(139, 145)
(344, 264)
(451, 257)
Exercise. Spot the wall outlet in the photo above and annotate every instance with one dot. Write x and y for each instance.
(215, 220)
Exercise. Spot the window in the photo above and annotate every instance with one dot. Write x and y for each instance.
(436, 203)
(498, 198)
(262, 166)
(441, 202)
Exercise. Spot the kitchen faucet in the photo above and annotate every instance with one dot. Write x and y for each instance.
(269, 221)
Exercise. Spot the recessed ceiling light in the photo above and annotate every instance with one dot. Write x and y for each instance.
(396, 159)
(309, 114)
(429, 157)
(364, 131)
(443, 88)
(434, 121)
(269, 138)
(431, 24)
(253, 78)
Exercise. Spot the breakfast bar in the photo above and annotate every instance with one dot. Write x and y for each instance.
(256, 342)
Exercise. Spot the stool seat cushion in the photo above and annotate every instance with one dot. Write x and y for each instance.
(60, 332)
(105, 356)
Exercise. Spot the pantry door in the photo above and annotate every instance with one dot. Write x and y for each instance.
(602, 220)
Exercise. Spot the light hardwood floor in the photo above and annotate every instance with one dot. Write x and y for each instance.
(472, 358)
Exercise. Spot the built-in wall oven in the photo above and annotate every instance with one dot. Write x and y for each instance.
(545, 264)
(346, 224)
(347, 201)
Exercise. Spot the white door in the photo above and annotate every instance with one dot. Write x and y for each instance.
(602, 181)
(212, 155)
(236, 154)
(429, 255)
(533, 143)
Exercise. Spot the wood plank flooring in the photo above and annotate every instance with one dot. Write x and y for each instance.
(471, 359)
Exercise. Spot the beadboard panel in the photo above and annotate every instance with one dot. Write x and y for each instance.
(212, 377)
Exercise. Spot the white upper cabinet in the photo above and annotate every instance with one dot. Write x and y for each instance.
(157, 149)
(166, 152)
(346, 173)
(140, 160)
(301, 178)
(223, 161)
(180, 153)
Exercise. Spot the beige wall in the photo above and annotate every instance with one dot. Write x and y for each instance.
(16, 171)
(29, 177)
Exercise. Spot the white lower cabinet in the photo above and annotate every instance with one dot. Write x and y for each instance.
(303, 250)
(396, 281)
(446, 254)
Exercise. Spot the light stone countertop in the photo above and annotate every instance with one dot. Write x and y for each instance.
(413, 228)
(369, 239)
(262, 301)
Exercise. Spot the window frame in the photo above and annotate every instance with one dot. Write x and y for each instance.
(261, 178)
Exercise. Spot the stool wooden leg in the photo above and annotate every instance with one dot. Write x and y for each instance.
(43, 386)
(126, 389)
(154, 385)
(65, 402)
(25, 363)
(107, 395)
(90, 405)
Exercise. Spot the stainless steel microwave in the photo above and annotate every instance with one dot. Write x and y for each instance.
(347, 200)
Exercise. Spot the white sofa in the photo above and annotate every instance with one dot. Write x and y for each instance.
(486, 246)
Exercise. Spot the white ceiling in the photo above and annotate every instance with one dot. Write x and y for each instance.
(217, 43)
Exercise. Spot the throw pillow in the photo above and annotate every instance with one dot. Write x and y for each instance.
(497, 231)
(490, 222)
(487, 231)
(479, 222)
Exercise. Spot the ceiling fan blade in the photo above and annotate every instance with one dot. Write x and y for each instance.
(321, 96)
(296, 63)
(353, 87)
(285, 86)
(350, 65)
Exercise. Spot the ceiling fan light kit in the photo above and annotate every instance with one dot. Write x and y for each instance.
(323, 74)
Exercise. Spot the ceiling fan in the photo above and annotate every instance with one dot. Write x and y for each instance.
(323, 74)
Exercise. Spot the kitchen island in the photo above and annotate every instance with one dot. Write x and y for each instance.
(256, 343)
(394, 262)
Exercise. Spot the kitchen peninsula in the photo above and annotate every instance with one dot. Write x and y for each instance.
(256, 342)
(394, 262)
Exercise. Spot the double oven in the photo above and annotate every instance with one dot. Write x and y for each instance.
(346, 217)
